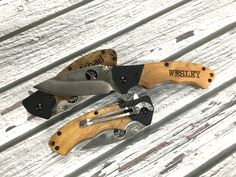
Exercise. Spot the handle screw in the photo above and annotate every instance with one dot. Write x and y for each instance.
(123, 79)
(39, 106)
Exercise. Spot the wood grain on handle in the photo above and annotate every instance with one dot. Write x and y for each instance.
(106, 57)
(72, 133)
(176, 71)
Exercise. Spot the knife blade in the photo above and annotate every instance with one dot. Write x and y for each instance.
(130, 115)
(45, 105)
(122, 78)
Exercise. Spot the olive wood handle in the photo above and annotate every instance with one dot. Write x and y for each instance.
(176, 71)
(72, 133)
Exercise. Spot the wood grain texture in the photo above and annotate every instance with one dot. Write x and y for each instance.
(19, 92)
(177, 72)
(28, 12)
(224, 168)
(71, 134)
(199, 134)
(164, 108)
(175, 95)
(155, 39)
(81, 28)
(128, 50)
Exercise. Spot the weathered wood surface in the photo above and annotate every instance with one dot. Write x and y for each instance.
(19, 15)
(190, 126)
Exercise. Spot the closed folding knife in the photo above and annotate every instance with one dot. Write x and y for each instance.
(120, 121)
(105, 79)
(45, 105)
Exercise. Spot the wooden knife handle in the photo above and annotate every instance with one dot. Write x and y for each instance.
(176, 71)
(106, 57)
(72, 133)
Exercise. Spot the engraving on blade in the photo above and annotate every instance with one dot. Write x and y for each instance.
(79, 88)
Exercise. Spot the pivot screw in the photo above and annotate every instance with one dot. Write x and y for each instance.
(144, 110)
(123, 79)
(121, 134)
(39, 106)
(166, 64)
(52, 143)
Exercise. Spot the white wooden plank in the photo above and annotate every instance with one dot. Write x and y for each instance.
(164, 96)
(182, 127)
(139, 41)
(38, 158)
(76, 30)
(225, 168)
(19, 93)
(20, 13)
(205, 146)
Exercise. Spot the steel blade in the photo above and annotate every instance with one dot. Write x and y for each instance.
(74, 88)
(86, 81)
(104, 138)
(99, 72)
(112, 136)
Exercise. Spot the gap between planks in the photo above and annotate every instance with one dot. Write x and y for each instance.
(169, 140)
(213, 161)
(143, 44)
(189, 138)
(150, 130)
(224, 168)
(54, 120)
(43, 20)
(92, 46)
(55, 161)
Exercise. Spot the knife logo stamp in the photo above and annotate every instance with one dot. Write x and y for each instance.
(91, 74)
(184, 73)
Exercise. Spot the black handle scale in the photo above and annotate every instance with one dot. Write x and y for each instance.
(145, 116)
(40, 104)
(126, 77)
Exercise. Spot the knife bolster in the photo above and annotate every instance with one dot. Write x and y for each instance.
(126, 77)
(145, 116)
(40, 104)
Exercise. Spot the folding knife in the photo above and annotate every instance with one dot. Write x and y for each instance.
(45, 105)
(124, 119)
(105, 79)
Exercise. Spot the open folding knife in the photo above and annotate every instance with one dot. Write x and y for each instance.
(124, 120)
(105, 79)
(45, 105)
